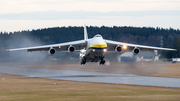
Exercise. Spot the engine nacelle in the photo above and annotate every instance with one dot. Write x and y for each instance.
(71, 49)
(118, 49)
(136, 51)
(51, 51)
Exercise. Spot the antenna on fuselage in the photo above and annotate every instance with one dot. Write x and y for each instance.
(85, 33)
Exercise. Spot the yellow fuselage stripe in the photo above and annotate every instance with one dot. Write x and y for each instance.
(97, 46)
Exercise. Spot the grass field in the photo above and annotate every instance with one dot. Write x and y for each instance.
(39, 89)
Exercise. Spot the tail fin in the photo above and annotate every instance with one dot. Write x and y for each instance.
(85, 33)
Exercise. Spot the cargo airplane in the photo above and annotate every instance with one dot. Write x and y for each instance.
(91, 50)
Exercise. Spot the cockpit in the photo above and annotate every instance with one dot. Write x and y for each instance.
(98, 35)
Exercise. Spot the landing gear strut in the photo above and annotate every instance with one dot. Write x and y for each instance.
(83, 61)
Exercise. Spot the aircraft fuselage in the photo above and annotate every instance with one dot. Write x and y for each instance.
(96, 47)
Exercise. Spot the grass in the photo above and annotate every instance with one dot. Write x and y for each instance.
(39, 89)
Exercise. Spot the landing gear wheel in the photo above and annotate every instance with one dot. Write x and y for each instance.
(102, 62)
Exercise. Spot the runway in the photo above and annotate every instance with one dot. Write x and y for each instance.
(88, 76)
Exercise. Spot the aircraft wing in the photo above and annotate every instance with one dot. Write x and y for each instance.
(113, 44)
(62, 46)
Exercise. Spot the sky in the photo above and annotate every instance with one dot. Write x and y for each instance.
(18, 15)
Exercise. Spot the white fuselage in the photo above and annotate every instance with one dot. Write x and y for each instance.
(96, 47)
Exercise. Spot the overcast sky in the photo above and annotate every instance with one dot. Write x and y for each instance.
(17, 15)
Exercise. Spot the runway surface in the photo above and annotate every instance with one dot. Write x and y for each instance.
(88, 76)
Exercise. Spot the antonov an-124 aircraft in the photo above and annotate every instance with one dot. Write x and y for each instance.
(91, 50)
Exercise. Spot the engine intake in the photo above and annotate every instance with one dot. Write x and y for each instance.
(118, 49)
(136, 51)
(51, 51)
(71, 49)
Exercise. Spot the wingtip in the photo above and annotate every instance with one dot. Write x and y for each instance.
(6, 50)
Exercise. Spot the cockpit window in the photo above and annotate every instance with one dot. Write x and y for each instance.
(98, 36)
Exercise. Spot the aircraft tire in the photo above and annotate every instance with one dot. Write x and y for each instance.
(102, 62)
(83, 62)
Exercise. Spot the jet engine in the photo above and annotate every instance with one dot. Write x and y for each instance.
(71, 49)
(136, 51)
(118, 49)
(51, 51)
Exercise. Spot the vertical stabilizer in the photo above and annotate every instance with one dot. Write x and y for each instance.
(85, 33)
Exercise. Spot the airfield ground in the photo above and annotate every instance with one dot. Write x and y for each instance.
(39, 89)
(19, 88)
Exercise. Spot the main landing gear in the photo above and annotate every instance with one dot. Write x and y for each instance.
(102, 62)
(83, 61)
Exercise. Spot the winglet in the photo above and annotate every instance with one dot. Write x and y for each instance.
(85, 33)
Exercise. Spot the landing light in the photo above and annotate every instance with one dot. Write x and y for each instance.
(104, 50)
(124, 47)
